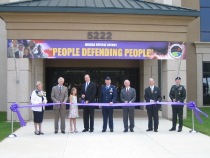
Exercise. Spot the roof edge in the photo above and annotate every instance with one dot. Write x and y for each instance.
(191, 13)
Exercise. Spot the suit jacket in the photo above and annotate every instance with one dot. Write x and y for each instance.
(155, 95)
(108, 95)
(57, 96)
(90, 93)
(179, 94)
(130, 97)
(17, 55)
(35, 99)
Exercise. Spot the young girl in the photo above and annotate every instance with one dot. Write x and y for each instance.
(73, 110)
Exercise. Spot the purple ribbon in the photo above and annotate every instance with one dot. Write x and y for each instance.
(191, 105)
(14, 107)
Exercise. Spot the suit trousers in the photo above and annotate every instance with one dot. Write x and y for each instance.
(128, 112)
(177, 111)
(152, 113)
(59, 113)
(107, 114)
(88, 114)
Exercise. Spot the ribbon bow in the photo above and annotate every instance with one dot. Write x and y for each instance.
(15, 108)
(192, 106)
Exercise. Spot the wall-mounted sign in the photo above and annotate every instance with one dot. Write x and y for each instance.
(68, 49)
(96, 35)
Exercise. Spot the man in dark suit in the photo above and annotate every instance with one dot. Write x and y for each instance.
(177, 94)
(88, 94)
(152, 94)
(59, 94)
(108, 94)
(19, 53)
(128, 95)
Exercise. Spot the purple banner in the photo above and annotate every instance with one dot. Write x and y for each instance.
(89, 49)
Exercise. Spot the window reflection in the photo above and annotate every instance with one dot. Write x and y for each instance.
(206, 83)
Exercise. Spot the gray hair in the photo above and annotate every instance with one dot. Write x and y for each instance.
(38, 83)
(60, 78)
(151, 79)
(126, 81)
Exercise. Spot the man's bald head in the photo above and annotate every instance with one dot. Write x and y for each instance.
(127, 83)
(151, 82)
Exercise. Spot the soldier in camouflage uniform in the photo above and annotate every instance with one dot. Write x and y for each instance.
(177, 94)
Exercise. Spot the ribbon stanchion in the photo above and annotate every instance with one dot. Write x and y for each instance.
(191, 105)
(12, 135)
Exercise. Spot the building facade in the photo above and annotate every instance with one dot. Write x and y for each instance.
(155, 23)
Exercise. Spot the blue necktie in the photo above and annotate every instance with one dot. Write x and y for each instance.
(86, 86)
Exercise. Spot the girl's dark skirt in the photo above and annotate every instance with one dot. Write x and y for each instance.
(38, 116)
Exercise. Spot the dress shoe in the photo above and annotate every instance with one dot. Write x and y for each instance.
(149, 130)
(63, 132)
(172, 129)
(56, 132)
(36, 133)
(91, 130)
(155, 130)
(131, 130)
(179, 130)
(84, 130)
(111, 130)
(103, 130)
(41, 133)
(125, 130)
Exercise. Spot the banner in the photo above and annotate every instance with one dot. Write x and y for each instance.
(88, 49)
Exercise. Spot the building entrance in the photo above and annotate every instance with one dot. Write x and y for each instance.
(74, 77)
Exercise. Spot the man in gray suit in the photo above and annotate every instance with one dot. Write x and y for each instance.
(128, 95)
(59, 95)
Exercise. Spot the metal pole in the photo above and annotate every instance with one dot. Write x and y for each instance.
(12, 135)
(179, 67)
(193, 124)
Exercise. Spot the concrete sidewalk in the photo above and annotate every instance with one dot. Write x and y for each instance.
(140, 144)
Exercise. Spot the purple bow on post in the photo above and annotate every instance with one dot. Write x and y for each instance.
(192, 106)
(14, 107)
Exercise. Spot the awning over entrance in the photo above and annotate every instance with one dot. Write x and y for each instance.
(138, 7)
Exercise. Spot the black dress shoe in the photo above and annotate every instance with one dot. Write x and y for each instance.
(63, 132)
(149, 130)
(103, 130)
(131, 130)
(125, 130)
(155, 130)
(111, 130)
(172, 129)
(179, 130)
(56, 132)
(36, 133)
(84, 130)
(41, 133)
(91, 130)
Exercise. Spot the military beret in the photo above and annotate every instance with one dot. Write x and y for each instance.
(107, 78)
(177, 78)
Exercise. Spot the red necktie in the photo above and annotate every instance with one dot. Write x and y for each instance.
(127, 91)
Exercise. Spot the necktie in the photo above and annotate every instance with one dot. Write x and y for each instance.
(127, 91)
(151, 89)
(86, 86)
(60, 89)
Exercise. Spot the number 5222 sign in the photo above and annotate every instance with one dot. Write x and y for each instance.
(97, 35)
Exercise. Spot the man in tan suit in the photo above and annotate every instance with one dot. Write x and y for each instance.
(59, 95)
